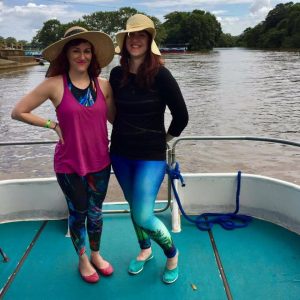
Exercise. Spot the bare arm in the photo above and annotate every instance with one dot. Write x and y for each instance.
(107, 91)
(48, 89)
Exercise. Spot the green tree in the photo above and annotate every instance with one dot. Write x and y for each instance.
(173, 26)
(78, 22)
(113, 21)
(227, 40)
(280, 29)
(250, 37)
(273, 38)
(25, 44)
(51, 32)
(11, 42)
(277, 14)
(197, 29)
(109, 22)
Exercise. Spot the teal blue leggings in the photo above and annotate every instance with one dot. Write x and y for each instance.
(140, 181)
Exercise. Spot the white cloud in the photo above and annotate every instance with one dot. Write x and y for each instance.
(90, 1)
(170, 3)
(260, 8)
(21, 21)
(219, 12)
(258, 11)
(233, 25)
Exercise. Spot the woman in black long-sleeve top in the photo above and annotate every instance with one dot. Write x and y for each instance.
(143, 88)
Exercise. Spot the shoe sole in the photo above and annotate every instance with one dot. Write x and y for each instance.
(135, 273)
(139, 271)
(169, 282)
(101, 272)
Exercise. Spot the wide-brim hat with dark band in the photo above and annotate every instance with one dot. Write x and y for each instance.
(103, 44)
(137, 22)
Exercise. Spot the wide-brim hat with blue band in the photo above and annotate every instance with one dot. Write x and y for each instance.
(102, 43)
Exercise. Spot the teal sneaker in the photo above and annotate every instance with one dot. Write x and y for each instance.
(137, 266)
(170, 276)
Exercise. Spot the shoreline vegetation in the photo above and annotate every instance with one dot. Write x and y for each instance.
(6, 64)
(197, 31)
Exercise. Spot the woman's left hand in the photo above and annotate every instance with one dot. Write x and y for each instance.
(59, 133)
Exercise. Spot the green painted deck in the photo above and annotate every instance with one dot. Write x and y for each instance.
(260, 262)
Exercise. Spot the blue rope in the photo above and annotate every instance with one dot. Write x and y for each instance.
(206, 221)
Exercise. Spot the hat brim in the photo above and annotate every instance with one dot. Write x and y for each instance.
(121, 35)
(102, 43)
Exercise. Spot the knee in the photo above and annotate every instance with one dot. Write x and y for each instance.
(95, 216)
(77, 220)
(142, 219)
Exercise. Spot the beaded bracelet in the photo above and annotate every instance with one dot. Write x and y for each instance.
(47, 125)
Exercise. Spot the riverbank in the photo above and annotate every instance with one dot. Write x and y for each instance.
(15, 59)
(8, 64)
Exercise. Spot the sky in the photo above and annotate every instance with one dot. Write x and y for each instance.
(21, 19)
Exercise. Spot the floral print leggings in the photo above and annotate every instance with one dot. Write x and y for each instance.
(84, 196)
(140, 181)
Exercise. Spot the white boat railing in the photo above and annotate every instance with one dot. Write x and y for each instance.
(52, 184)
(229, 138)
(171, 157)
(263, 197)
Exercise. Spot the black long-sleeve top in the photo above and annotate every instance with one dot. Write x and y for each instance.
(139, 129)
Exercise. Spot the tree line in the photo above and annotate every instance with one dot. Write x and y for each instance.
(280, 29)
(197, 30)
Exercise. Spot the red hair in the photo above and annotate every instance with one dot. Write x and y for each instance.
(60, 64)
(147, 70)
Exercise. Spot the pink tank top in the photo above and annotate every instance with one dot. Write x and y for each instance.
(85, 135)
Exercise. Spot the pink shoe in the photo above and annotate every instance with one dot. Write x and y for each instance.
(93, 278)
(105, 271)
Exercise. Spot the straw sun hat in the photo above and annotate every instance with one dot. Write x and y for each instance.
(103, 44)
(137, 22)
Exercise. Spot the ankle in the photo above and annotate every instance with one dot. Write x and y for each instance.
(144, 254)
(83, 258)
(172, 262)
(95, 255)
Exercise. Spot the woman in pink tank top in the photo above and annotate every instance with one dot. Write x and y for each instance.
(83, 104)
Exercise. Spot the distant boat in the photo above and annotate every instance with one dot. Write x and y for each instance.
(173, 48)
(35, 53)
(42, 61)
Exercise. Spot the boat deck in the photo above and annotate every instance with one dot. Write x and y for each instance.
(261, 261)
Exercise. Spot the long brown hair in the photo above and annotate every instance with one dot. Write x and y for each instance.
(147, 70)
(61, 65)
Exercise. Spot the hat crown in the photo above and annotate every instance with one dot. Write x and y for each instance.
(139, 20)
(74, 30)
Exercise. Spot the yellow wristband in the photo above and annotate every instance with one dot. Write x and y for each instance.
(47, 125)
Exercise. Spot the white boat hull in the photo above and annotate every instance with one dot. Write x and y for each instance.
(262, 197)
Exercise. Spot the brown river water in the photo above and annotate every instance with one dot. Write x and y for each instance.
(229, 92)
